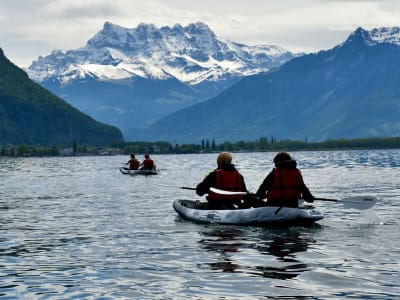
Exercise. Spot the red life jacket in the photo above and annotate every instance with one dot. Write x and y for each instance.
(228, 181)
(148, 164)
(287, 184)
(133, 164)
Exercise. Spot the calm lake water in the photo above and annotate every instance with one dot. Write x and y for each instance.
(75, 228)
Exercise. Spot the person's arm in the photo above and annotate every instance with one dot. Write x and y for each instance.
(307, 196)
(204, 186)
(265, 186)
(244, 188)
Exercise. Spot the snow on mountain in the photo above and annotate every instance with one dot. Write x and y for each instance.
(390, 35)
(349, 91)
(190, 54)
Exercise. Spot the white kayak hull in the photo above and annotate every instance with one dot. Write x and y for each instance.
(266, 215)
(137, 172)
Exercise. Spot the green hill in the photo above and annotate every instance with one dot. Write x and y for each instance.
(31, 115)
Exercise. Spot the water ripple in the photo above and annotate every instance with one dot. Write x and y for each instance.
(71, 231)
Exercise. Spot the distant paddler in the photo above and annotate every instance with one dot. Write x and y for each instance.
(133, 163)
(148, 163)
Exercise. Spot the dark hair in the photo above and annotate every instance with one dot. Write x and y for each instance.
(282, 156)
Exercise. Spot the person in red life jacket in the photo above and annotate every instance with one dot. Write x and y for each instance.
(133, 163)
(148, 163)
(225, 177)
(284, 185)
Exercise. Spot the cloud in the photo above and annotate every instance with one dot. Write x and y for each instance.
(36, 27)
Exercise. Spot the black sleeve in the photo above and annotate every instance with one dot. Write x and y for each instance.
(204, 186)
(244, 188)
(265, 186)
(307, 196)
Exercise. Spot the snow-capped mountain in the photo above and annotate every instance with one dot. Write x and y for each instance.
(191, 54)
(133, 77)
(389, 35)
(349, 91)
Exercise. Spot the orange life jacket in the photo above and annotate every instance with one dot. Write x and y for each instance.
(228, 181)
(287, 184)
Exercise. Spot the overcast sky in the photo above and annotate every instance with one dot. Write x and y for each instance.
(29, 28)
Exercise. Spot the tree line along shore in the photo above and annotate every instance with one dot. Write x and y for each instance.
(205, 146)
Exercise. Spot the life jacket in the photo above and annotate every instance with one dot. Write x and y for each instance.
(133, 164)
(287, 184)
(148, 164)
(228, 181)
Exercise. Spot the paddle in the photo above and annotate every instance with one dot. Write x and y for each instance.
(356, 202)
(178, 187)
(223, 192)
(187, 188)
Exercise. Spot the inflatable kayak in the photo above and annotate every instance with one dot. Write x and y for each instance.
(266, 215)
(137, 172)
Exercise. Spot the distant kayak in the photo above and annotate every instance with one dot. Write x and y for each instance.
(266, 215)
(137, 172)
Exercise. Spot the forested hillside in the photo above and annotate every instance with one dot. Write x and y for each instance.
(30, 114)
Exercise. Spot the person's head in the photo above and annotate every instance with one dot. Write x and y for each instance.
(132, 155)
(281, 157)
(146, 156)
(224, 158)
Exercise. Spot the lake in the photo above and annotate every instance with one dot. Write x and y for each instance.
(76, 228)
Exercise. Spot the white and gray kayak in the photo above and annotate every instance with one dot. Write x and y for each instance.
(267, 215)
(137, 172)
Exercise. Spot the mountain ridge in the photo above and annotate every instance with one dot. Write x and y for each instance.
(349, 91)
(153, 71)
(170, 51)
(31, 115)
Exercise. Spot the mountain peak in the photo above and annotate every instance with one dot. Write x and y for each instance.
(198, 26)
(376, 36)
(108, 26)
(358, 36)
(190, 54)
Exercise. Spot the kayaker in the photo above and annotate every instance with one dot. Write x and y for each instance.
(284, 185)
(224, 177)
(148, 163)
(133, 163)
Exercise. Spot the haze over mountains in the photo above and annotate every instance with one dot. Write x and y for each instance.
(133, 77)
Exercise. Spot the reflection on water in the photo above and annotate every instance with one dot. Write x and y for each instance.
(283, 244)
(224, 242)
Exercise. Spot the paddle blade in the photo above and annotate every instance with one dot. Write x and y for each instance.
(223, 192)
(359, 202)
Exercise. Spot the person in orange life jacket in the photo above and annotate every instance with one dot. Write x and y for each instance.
(133, 163)
(284, 185)
(148, 163)
(225, 177)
